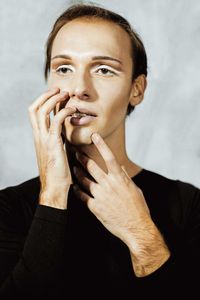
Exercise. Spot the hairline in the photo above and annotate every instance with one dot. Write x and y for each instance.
(97, 19)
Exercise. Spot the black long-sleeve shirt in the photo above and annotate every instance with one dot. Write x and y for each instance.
(48, 252)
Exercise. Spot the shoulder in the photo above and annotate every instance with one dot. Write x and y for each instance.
(179, 199)
(184, 189)
(17, 205)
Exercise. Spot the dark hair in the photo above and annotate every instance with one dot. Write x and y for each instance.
(90, 12)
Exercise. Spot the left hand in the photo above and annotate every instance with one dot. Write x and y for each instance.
(117, 202)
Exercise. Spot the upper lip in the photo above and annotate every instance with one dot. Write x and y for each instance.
(85, 111)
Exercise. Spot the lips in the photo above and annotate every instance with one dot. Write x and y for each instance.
(82, 116)
(83, 111)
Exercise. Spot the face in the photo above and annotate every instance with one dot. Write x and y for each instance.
(92, 61)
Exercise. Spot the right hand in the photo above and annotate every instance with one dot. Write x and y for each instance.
(54, 171)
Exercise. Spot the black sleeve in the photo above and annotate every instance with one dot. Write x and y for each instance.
(179, 275)
(32, 259)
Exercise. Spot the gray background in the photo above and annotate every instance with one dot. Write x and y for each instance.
(162, 134)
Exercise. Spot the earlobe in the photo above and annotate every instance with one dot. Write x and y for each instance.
(138, 89)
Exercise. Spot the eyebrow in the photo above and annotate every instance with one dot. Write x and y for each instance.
(99, 57)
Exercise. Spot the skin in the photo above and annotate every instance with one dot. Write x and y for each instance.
(106, 88)
(89, 87)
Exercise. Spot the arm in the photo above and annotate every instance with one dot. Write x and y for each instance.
(147, 247)
(121, 207)
(37, 260)
(52, 160)
(33, 259)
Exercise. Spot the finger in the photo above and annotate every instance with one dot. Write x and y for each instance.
(109, 158)
(56, 125)
(60, 105)
(91, 166)
(43, 98)
(37, 103)
(84, 197)
(45, 110)
(88, 184)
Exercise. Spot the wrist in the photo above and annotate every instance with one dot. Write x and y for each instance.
(148, 250)
(56, 198)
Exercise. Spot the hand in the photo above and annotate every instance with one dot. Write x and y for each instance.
(121, 207)
(117, 202)
(55, 176)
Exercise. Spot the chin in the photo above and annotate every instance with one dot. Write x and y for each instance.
(79, 137)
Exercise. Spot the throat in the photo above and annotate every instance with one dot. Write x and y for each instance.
(132, 169)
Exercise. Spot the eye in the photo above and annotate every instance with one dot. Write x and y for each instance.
(105, 71)
(64, 69)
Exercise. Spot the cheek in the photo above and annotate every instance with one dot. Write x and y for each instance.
(50, 82)
(115, 99)
(54, 81)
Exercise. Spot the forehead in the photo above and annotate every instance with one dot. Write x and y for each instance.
(87, 36)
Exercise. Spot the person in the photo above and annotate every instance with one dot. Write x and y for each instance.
(93, 222)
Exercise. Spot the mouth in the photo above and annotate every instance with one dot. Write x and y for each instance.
(82, 117)
(82, 112)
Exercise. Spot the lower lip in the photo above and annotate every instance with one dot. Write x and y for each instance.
(82, 120)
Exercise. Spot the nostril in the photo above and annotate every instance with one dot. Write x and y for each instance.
(80, 95)
(85, 96)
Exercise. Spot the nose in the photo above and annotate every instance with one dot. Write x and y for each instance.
(80, 86)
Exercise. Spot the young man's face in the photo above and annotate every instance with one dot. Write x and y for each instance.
(93, 63)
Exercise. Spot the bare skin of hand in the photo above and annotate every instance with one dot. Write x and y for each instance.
(121, 207)
(55, 176)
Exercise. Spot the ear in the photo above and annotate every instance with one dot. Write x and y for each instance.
(138, 88)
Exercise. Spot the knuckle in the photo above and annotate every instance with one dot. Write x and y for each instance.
(92, 187)
(42, 110)
(31, 109)
(91, 205)
(55, 122)
(103, 177)
(52, 132)
(88, 164)
(50, 92)
(68, 110)
(58, 98)
(112, 180)
(111, 159)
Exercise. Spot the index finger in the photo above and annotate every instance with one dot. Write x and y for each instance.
(43, 98)
(109, 158)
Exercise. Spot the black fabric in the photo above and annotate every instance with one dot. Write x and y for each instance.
(48, 252)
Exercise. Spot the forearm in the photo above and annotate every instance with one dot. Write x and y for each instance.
(148, 250)
(42, 256)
